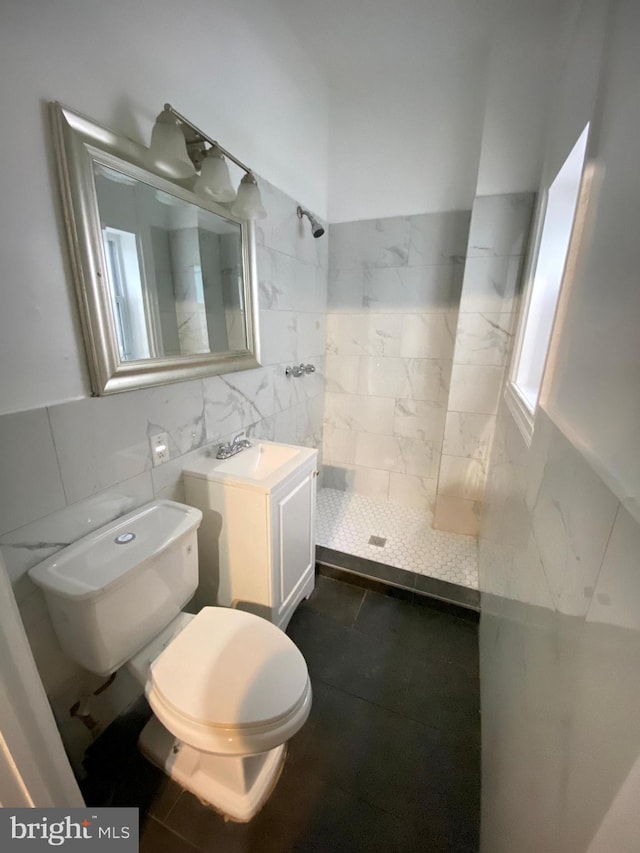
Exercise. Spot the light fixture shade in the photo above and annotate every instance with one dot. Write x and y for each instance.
(168, 149)
(248, 204)
(214, 181)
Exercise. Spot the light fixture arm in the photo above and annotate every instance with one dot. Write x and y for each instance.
(199, 136)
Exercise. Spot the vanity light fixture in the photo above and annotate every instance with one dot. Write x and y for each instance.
(168, 147)
(248, 204)
(179, 149)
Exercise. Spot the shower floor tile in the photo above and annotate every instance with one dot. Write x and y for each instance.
(350, 523)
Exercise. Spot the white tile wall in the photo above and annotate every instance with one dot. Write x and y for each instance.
(475, 388)
(428, 335)
(558, 638)
(370, 243)
(394, 289)
(483, 338)
(27, 459)
(423, 419)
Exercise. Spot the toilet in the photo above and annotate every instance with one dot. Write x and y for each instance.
(227, 688)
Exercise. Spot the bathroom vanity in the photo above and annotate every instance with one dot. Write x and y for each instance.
(257, 538)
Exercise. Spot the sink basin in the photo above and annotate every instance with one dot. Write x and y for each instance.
(261, 467)
(260, 461)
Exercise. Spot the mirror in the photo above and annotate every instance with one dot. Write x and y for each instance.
(166, 281)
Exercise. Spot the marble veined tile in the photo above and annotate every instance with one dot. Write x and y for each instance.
(237, 399)
(409, 290)
(438, 238)
(457, 515)
(429, 379)
(289, 284)
(617, 592)
(369, 243)
(572, 521)
(370, 414)
(339, 445)
(395, 453)
(364, 481)
(178, 410)
(422, 419)
(306, 296)
(277, 279)
(428, 335)
(311, 334)
(378, 451)
(31, 482)
(468, 434)
(483, 339)
(278, 337)
(29, 545)
(500, 224)
(384, 377)
(342, 373)
(475, 388)
(104, 440)
(345, 289)
(491, 284)
(364, 334)
(461, 477)
(419, 457)
(409, 490)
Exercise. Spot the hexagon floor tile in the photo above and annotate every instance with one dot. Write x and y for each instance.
(346, 522)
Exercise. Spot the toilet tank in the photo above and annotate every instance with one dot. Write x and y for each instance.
(111, 592)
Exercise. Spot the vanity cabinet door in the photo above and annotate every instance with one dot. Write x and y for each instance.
(293, 542)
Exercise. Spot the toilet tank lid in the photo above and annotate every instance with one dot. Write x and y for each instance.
(101, 559)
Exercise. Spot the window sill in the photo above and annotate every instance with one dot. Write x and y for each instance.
(520, 411)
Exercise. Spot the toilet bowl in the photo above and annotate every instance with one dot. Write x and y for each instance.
(227, 688)
(226, 693)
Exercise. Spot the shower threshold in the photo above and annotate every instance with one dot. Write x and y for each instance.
(397, 545)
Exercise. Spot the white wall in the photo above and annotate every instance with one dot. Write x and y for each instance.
(233, 68)
(408, 82)
(594, 391)
(526, 52)
(560, 626)
(405, 147)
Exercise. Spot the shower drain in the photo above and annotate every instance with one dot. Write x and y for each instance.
(379, 541)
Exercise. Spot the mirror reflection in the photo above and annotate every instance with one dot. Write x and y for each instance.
(175, 271)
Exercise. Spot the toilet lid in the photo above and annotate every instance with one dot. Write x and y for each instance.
(230, 668)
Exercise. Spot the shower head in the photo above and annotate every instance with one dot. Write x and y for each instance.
(316, 229)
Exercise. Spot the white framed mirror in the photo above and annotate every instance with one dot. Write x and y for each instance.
(166, 281)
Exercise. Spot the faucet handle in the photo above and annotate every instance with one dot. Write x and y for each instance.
(241, 440)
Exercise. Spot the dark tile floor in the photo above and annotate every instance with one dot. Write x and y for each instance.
(388, 761)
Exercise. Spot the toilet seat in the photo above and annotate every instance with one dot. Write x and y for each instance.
(230, 683)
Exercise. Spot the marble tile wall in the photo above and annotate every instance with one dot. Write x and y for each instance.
(559, 644)
(394, 289)
(497, 242)
(67, 469)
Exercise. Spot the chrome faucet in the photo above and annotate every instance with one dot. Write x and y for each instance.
(238, 444)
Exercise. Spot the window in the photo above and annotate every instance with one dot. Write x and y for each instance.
(554, 226)
(121, 253)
